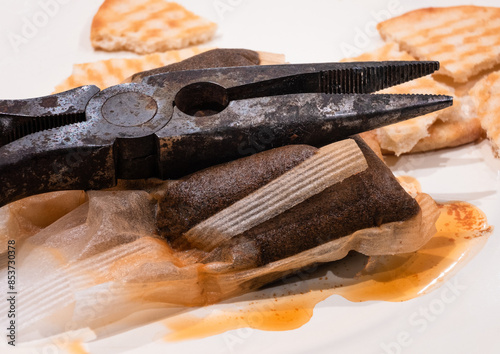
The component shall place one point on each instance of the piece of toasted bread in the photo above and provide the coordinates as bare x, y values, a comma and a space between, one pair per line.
425, 132
486, 96
464, 39
147, 26
110, 72
449, 134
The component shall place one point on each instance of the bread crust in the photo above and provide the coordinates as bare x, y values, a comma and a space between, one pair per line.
450, 134
486, 96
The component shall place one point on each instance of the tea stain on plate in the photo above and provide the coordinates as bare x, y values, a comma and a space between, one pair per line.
462, 230
270, 314
74, 348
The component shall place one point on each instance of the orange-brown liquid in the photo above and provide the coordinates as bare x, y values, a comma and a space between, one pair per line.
74, 348
462, 231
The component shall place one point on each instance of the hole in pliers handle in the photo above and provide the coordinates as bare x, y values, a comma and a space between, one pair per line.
202, 99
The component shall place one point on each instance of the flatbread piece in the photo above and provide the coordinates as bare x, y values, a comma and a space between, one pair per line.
106, 73
464, 39
147, 26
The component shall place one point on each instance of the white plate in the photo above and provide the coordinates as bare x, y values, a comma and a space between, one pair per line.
34, 58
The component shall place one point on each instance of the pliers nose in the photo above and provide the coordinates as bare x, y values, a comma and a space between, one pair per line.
243, 127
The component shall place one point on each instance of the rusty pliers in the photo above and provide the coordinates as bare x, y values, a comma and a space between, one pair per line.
171, 124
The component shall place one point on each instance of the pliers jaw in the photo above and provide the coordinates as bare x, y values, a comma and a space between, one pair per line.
19, 118
172, 124
312, 119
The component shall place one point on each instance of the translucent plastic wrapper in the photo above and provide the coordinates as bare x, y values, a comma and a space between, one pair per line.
116, 253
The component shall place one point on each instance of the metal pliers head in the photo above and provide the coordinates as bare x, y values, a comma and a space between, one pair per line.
170, 124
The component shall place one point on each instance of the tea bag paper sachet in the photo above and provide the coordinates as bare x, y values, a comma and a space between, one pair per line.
125, 251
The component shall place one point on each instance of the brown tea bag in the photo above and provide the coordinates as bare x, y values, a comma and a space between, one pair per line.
189, 212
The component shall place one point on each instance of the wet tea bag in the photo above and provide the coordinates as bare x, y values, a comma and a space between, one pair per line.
218, 233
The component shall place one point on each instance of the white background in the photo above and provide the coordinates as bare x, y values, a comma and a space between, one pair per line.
306, 31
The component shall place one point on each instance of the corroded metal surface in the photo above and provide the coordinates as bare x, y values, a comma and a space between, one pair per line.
19, 118
174, 123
